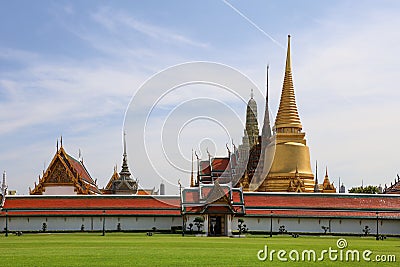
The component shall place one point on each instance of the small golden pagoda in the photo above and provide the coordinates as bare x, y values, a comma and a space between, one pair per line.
290, 168
327, 186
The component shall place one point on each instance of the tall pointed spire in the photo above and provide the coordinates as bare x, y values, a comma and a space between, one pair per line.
288, 116
125, 184
125, 173
266, 130
191, 174
288, 139
4, 185
316, 187
260, 173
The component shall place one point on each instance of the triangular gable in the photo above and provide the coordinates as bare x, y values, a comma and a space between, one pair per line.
218, 201
114, 177
217, 193
59, 174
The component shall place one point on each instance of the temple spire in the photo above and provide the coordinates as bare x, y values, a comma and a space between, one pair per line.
316, 187
251, 130
288, 116
125, 173
191, 174
266, 130
4, 185
124, 143
125, 184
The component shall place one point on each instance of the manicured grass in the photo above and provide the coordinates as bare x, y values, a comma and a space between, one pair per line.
127, 249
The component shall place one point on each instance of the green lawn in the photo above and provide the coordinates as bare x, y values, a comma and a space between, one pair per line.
127, 249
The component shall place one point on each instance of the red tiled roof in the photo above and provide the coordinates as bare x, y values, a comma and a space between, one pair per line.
322, 201
80, 168
393, 189
192, 196
172, 212
205, 191
321, 213
91, 203
236, 197
220, 164
256, 204
205, 168
349, 204
322, 205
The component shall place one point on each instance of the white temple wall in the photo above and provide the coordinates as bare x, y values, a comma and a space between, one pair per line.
95, 223
59, 190
309, 225
314, 225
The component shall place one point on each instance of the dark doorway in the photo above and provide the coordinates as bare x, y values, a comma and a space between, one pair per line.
216, 226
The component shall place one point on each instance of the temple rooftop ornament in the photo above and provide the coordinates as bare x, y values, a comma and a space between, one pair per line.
124, 185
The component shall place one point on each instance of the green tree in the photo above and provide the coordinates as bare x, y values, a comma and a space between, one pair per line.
241, 226
198, 221
370, 189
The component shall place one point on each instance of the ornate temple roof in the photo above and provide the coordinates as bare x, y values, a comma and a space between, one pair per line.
64, 170
108, 188
327, 186
288, 115
212, 198
394, 188
124, 184
219, 164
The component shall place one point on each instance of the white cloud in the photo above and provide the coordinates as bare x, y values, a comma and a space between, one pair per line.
114, 19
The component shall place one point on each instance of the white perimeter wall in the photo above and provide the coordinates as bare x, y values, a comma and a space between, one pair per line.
353, 226
314, 225
89, 223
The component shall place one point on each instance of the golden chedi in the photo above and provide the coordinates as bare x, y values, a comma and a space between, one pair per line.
290, 168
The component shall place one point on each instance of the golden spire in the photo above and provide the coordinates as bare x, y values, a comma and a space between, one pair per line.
288, 116
191, 175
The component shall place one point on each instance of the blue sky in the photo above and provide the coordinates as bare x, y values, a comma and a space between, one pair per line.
71, 68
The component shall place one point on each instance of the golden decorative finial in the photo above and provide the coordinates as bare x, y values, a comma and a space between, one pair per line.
288, 59
191, 174
288, 116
